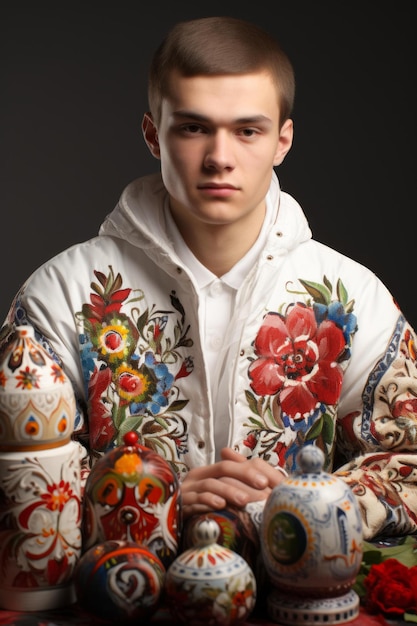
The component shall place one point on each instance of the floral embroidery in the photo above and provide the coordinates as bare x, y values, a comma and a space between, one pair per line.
297, 373
298, 358
131, 365
394, 408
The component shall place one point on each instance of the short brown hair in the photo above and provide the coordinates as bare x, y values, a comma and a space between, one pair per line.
219, 46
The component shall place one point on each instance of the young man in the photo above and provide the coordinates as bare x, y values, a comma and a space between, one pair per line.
205, 317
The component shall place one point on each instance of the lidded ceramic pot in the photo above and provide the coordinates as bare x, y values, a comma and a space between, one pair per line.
311, 543
37, 403
209, 584
236, 532
132, 494
40, 482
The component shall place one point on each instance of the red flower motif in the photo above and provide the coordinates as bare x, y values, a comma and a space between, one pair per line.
55, 498
133, 385
113, 341
110, 304
391, 588
186, 368
405, 408
57, 495
57, 373
250, 442
280, 450
299, 360
28, 379
102, 429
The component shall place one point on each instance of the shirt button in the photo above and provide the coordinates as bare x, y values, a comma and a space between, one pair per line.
216, 343
215, 289
200, 445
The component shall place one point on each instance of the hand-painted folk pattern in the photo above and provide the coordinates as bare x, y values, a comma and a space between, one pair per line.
297, 373
40, 519
132, 368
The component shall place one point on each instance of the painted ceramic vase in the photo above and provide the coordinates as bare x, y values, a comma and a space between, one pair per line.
311, 540
37, 403
119, 582
209, 584
133, 494
40, 527
40, 484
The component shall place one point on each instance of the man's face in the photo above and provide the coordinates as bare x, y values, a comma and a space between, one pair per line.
218, 140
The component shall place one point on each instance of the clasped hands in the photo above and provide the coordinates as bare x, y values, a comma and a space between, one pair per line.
232, 481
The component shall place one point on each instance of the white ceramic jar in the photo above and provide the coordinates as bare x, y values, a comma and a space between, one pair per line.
311, 541
40, 483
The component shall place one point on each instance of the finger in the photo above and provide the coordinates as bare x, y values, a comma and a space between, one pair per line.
194, 509
202, 503
193, 502
257, 466
255, 473
217, 470
228, 454
253, 494
214, 492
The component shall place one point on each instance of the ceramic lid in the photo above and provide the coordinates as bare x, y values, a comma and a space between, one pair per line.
37, 402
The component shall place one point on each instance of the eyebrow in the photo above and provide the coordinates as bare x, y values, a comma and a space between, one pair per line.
253, 119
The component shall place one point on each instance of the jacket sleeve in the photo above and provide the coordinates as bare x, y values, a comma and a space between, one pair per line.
378, 440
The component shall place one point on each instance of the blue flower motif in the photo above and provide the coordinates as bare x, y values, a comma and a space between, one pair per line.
87, 355
336, 313
163, 384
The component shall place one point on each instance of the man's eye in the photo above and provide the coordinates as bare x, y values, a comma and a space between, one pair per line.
248, 132
192, 128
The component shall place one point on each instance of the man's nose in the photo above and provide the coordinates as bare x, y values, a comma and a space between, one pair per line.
219, 153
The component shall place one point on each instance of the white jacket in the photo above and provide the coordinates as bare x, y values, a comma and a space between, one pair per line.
317, 352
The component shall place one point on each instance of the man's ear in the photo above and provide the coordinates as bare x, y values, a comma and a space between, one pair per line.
150, 134
284, 142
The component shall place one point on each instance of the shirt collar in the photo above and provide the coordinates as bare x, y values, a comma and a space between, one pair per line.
234, 277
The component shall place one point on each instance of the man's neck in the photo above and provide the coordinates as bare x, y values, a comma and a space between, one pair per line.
220, 247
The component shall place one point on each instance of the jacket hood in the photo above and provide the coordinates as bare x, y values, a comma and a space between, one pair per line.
138, 217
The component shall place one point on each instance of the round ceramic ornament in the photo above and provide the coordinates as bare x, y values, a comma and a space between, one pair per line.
311, 542
119, 582
37, 402
133, 494
209, 584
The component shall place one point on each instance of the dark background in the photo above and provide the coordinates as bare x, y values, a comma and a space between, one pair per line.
73, 90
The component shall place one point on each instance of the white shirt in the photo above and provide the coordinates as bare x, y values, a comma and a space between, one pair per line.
217, 297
